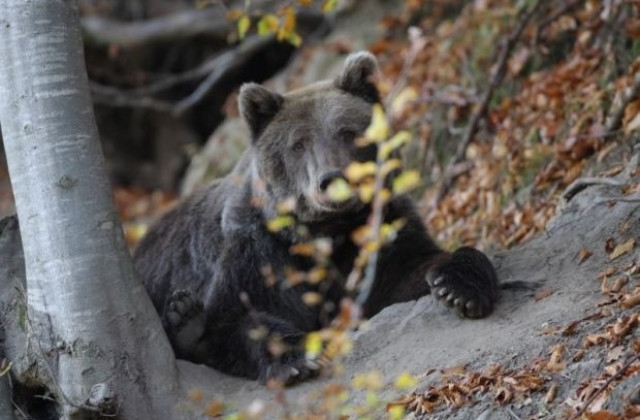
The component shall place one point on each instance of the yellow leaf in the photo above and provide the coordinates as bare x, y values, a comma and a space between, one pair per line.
305, 249
312, 298
316, 275
268, 24
134, 232
396, 412
371, 380
378, 130
286, 206
366, 191
339, 190
372, 399
405, 381
406, 95
279, 223
406, 181
244, 23
358, 170
289, 24
313, 345
360, 235
235, 14
329, 6
391, 165
305, 3
397, 141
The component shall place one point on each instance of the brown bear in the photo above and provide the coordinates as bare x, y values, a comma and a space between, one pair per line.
203, 263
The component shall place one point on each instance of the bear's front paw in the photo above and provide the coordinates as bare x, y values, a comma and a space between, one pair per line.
466, 282
290, 369
184, 321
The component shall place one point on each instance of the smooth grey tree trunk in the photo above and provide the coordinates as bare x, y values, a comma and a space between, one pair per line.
89, 318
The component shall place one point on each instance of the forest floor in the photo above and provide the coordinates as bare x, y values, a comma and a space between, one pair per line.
545, 351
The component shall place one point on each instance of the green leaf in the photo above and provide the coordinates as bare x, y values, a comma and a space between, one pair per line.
268, 24
244, 23
405, 381
294, 39
329, 6
396, 412
397, 141
279, 223
339, 190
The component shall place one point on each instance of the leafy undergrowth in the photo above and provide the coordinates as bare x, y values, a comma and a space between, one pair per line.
546, 122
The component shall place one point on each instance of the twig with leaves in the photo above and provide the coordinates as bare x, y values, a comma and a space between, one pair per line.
417, 42
497, 76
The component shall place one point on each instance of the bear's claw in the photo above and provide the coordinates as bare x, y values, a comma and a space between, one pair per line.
465, 282
184, 320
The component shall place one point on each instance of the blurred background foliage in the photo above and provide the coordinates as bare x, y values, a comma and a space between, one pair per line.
507, 101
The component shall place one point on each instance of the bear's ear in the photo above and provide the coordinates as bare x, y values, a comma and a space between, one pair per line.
258, 106
357, 74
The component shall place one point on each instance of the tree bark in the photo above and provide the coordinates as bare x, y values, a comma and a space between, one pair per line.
99, 342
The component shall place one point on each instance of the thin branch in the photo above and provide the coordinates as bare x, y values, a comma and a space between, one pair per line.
217, 68
582, 183
497, 76
617, 111
227, 63
171, 81
114, 97
600, 390
180, 25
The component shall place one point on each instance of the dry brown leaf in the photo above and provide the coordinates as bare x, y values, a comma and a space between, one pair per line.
630, 300
551, 393
214, 409
543, 293
578, 356
614, 354
610, 245
623, 249
584, 255
195, 395
613, 368
602, 415
503, 396
570, 329
610, 271
457, 370
555, 363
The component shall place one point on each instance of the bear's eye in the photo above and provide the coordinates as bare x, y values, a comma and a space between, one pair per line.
347, 134
298, 146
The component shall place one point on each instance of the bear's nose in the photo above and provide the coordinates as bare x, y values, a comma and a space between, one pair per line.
328, 178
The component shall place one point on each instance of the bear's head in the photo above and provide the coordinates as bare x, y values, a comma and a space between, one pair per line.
304, 140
